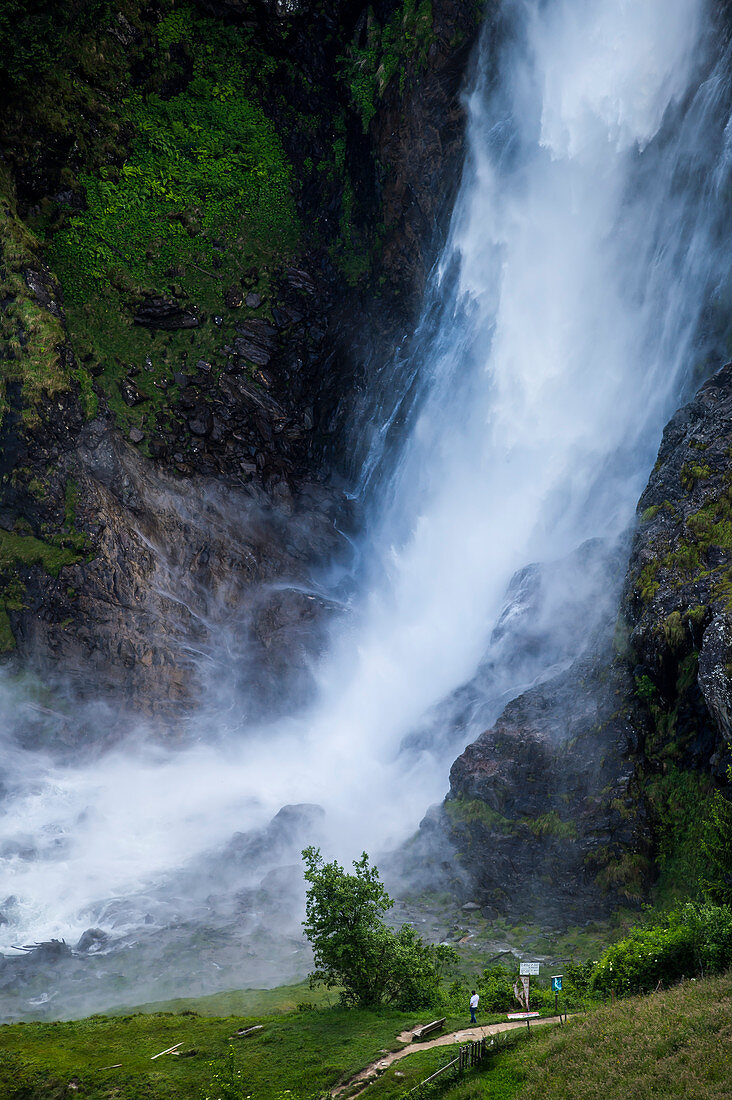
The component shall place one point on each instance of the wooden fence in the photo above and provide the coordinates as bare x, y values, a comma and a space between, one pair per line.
472, 1054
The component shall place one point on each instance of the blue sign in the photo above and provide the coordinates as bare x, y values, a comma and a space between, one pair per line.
557, 983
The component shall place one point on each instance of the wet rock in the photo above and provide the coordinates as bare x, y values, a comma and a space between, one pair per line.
136, 436
300, 280
130, 393
201, 423
253, 300
41, 285
256, 341
290, 829
166, 313
92, 941
675, 607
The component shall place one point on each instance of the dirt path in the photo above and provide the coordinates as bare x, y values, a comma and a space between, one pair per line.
365, 1076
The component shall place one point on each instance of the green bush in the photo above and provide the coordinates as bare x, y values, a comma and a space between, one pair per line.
495, 986
692, 940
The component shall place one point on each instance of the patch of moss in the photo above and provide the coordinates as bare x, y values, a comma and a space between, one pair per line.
472, 811
673, 630
550, 825
199, 193
624, 872
647, 583
25, 550
679, 801
30, 335
691, 472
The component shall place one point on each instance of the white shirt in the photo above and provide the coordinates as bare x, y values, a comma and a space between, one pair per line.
474, 1000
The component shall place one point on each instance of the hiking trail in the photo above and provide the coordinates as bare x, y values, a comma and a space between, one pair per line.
369, 1073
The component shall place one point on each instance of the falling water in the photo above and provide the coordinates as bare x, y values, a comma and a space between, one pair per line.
574, 299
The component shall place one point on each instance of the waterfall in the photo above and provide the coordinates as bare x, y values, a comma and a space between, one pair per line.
574, 301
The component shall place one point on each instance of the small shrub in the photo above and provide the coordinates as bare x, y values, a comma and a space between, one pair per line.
693, 940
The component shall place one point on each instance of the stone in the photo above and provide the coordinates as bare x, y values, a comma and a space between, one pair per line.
136, 436
166, 313
253, 300
92, 941
201, 422
256, 341
130, 393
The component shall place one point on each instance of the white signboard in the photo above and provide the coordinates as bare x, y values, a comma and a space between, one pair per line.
529, 968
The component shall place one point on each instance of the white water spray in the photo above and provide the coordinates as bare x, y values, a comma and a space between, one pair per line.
558, 334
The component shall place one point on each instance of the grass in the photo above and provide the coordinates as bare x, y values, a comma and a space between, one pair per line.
305, 1052
677, 1043
244, 1002
673, 1043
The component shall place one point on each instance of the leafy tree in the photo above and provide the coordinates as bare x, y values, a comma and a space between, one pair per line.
353, 948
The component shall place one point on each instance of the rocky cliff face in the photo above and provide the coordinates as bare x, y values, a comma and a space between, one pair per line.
167, 430
592, 787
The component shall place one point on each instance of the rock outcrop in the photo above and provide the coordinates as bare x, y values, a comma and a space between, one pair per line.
594, 783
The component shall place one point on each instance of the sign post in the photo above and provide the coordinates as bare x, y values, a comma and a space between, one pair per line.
556, 989
526, 970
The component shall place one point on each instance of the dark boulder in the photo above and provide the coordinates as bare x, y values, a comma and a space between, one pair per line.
166, 313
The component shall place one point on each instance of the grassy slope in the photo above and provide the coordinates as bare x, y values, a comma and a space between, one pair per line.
305, 1052
672, 1044
676, 1043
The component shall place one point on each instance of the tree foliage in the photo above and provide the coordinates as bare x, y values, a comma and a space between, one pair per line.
352, 947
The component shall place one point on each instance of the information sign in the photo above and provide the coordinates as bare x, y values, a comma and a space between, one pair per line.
557, 983
528, 968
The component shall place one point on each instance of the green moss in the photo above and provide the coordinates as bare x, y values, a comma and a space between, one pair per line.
691, 472
25, 550
624, 872
464, 811
472, 811
647, 584
645, 688
550, 825
709, 527
673, 630
649, 513
679, 801
204, 166
199, 191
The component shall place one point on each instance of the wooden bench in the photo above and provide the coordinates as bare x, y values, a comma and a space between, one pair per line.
427, 1029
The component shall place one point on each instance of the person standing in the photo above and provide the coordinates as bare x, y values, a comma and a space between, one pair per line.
474, 998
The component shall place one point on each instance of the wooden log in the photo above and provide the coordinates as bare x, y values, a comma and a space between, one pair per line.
244, 1031
170, 1050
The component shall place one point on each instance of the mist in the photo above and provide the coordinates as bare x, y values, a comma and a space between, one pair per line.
566, 319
